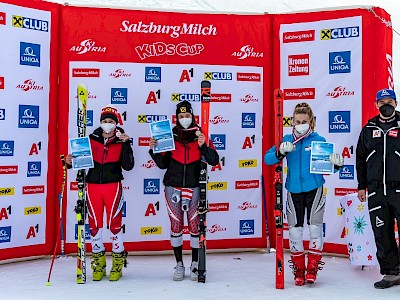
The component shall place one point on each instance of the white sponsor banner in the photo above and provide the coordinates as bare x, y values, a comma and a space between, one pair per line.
321, 65
144, 93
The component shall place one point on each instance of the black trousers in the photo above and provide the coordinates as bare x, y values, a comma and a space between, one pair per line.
383, 211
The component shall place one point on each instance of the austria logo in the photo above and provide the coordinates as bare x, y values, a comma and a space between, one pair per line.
339, 92
28, 85
219, 120
87, 46
249, 98
149, 164
247, 205
216, 228
247, 51
119, 73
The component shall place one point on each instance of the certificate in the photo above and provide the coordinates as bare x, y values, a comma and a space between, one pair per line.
81, 153
162, 132
319, 162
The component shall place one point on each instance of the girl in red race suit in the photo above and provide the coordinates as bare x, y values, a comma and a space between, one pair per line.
181, 182
112, 152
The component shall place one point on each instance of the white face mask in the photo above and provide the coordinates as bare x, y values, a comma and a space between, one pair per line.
185, 122
107, 127
302, 128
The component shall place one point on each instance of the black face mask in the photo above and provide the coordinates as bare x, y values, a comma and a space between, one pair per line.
386, 110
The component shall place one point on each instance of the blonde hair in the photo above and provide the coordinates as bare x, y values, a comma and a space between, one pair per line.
304, 108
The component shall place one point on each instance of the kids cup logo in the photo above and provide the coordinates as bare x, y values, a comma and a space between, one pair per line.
247, 51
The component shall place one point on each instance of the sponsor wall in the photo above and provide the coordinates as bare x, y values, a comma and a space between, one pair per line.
27, 127
326, 63
144, 63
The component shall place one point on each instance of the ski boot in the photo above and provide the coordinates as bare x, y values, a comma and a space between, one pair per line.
298, 265
118, 261
98, 265
314, 264
193, 271
179, 272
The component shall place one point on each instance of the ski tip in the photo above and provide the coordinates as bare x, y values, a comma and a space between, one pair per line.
48, 283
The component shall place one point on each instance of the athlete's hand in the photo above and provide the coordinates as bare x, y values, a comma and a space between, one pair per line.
362, 196
336, 159
201, 139
286, 147
68, 159
153, 142
123, 137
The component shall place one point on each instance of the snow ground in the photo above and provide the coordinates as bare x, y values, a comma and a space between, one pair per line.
246, 275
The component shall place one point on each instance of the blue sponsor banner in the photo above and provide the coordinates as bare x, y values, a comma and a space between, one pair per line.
34, 169
347, 172
219, 141
6, 148
5, 234
119, 95
345, 32
2, 114
29, 54
28, 116
248, 120
151, 186
87, 232
246, 227
339, 121
340, 62
152, 74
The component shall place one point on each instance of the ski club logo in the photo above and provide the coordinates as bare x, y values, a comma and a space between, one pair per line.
28, 116
339, 62
220, 206
299, 65
149, 164
218, 119
151, 118
217, 76
248, 120
339, 91
87, 46
339, 121
340, 33
2, 114
216, 228
247, 51
5, 234
219, 141
30, 23
249, 98
2, 83
119, 95
29, 54
8, 170
8, 191
299, 94
299, 36
152, 74
347, 172
157, 49
185, 97
120, 73
29, 85
247, 205
248, 77
89, 118
2, 18
246, 227
247, 184
151, 186
6, 148
87, 232
34, 169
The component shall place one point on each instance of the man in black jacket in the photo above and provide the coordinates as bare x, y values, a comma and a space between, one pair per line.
377, 163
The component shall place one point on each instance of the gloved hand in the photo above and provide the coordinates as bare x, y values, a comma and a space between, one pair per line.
286, 147
337, 159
